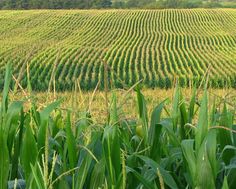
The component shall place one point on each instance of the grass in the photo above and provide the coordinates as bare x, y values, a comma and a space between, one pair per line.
186, 144
95, 102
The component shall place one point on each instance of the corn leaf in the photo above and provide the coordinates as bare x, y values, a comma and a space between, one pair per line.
111, 150
175, 108
17, 147
167, 177
192, 106
83, 171
183, 117
202, 126
4, 160
225, 184
211, 147
188, 152
38, 176
71, 143
114, 114
224, 136
205, 177
146, 183
29, 151
6, 88
44, 116
98, 175
155, 131
12, 121
143, 114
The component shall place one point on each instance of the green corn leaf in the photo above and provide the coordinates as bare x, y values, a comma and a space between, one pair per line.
234, 135
228, 149
155, 152
38, 176
205, 177
192, 106
6, 88
35, 114
63, 185
111, 150
45, 113
114, 114
71, 143
231, 177
213, 118
44, 116
211, 147
17, 147
83, 171
167, 125
146, 183
82, 125
206, 162
175, 108
202, 126
42, 135
224, 136
230, 166
11, 124
188, 152
155, 131
29, 151
4, 160
13, 113
167, 177
143, 114
98, 175
86, 161
183, 117
225, 184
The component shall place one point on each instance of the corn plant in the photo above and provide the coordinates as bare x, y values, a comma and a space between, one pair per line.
155, 46
189, 145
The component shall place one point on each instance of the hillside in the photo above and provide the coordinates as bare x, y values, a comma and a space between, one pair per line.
154, 45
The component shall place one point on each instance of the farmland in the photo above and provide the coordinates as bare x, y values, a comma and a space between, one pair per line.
156, 46
43, 147
116, 99
49, 147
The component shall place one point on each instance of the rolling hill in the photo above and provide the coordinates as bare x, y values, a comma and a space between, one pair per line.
156, 46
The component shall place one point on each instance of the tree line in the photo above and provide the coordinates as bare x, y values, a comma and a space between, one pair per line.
87, 4
54, 4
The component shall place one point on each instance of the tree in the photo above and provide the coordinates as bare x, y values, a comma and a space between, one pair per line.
118, 4
102, 3
173, 3
10, 4
82, 4
132, 3
24, 4
140, 3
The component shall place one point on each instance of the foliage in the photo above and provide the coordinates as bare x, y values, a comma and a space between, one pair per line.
53, 4
87, 4
66, 47
187, 149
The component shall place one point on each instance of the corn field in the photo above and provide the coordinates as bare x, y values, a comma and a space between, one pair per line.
193, 146
156, 46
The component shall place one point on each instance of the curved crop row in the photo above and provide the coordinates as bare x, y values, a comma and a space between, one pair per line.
156, 46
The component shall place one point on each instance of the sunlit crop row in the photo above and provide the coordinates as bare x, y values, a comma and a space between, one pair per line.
156, 46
